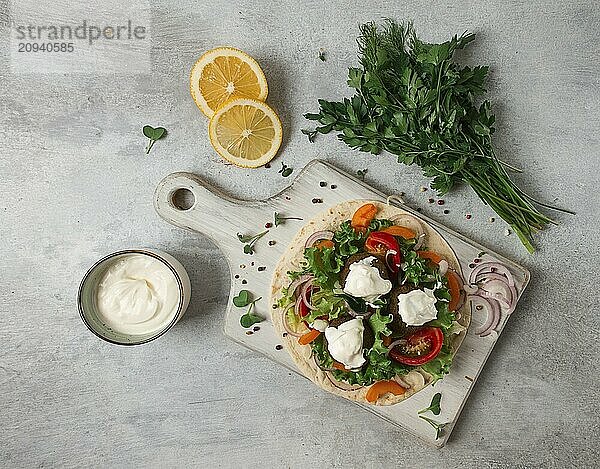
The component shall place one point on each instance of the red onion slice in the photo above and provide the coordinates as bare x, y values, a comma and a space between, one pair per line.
495, 296
297, 306
470, 289
313, 238
401, 382
490, 268
498, 289
420, 242
341, 385
396, 342
443, 267
304, 292
492, 308
296, 283
321, 366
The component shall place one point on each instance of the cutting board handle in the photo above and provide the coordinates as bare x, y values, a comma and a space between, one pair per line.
187, 201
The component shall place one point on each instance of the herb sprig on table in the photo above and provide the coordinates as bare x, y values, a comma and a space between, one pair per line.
243, 299
153, 135
413, 101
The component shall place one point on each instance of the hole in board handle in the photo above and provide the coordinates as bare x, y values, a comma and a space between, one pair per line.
183, 199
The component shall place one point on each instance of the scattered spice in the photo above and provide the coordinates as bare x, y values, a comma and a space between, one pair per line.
468, 216
441, 202
469, 378
446, 212
278, 347
256, 328
252, 264
430, 201
242, 266
267, 165
422, 188
491, 219
285, 170
274, 306
287, 197
477, 260
244, 282
236, 276
323, 184
507, 232
333, 186
262, 268
249, 332
285, 334
317, 201
268, 224
419, 209
471, 266
322, 55
272, 242
481, 254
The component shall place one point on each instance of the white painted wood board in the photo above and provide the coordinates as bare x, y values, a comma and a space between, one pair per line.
220, 217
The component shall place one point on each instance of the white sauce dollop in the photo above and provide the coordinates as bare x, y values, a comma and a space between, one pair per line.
364, 281
417, 307
138, 295
345, 343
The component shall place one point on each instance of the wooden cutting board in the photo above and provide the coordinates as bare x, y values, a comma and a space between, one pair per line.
183, 199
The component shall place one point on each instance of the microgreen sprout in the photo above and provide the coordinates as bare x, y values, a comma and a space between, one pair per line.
153, 135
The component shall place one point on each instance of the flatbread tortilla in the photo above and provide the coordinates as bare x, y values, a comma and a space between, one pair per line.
331, 219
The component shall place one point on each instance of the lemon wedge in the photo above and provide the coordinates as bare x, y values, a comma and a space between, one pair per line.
245, 132
223, 74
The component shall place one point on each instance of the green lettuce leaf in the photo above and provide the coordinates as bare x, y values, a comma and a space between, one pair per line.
324, 265
440, 365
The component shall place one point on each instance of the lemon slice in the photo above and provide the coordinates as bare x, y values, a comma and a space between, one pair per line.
245, 132
223, 74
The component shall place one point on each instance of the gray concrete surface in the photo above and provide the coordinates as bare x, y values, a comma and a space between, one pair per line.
76, 184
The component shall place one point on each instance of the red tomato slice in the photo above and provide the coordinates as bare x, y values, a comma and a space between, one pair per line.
421, 347
379, 242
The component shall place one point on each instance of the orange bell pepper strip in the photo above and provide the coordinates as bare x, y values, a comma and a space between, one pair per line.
324, 243
363, 216
432, 256
309, 337
454, 282
454, 285
339, 366
401, 231
383, 387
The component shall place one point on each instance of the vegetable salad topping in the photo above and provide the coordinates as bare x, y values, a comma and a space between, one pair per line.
370, 306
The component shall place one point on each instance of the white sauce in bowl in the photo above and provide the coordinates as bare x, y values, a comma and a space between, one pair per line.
138, 294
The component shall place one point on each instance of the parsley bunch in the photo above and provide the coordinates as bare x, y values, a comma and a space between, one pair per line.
413, 101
